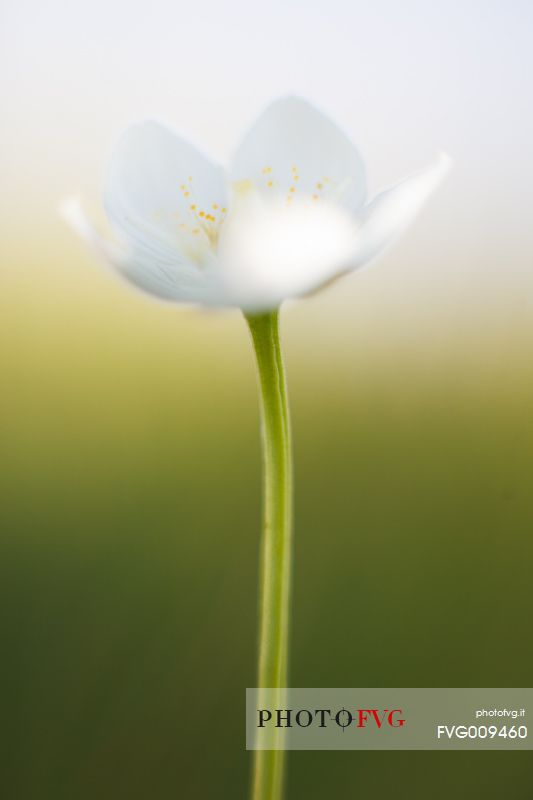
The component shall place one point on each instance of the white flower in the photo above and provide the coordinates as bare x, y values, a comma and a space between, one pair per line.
289, 217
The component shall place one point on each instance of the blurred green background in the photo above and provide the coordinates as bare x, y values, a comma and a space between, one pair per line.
130, 510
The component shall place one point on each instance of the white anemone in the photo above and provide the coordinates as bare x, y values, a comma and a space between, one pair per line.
290, 216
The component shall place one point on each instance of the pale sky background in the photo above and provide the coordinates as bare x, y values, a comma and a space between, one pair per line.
403, 78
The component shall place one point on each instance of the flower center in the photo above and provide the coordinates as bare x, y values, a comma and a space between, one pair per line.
200, 224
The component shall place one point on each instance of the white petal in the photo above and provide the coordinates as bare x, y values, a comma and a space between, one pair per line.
272, 251
161, 192
167, 279
393, 210
293, 149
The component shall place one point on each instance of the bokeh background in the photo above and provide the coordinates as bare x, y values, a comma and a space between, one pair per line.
129, 474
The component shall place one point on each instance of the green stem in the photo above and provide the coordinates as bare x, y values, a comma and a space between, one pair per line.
276, 543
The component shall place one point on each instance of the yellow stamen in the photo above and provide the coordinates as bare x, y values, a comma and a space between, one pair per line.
243, 188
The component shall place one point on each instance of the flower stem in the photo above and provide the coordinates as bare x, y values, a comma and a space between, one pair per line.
276, 543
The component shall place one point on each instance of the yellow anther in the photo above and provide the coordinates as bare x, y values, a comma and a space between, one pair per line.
296, 177
193, 207
183, 187
214, 206
187, 194
319, 186
292, 189
270, 183
196, 231
223, 210
243, 188
201, 213
266, 170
